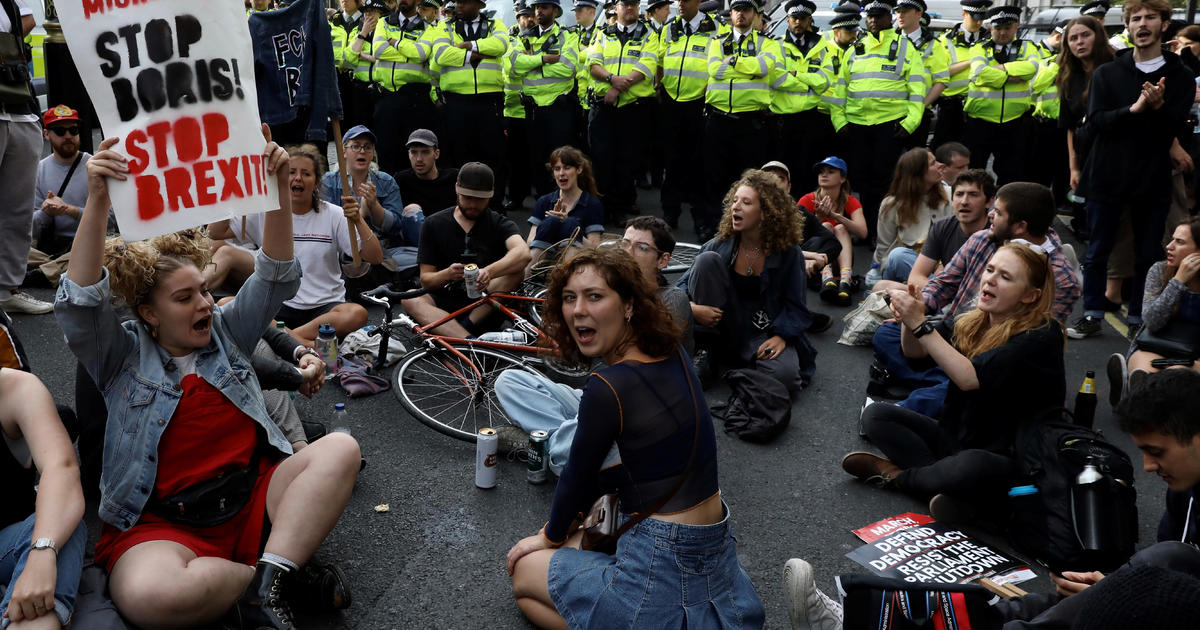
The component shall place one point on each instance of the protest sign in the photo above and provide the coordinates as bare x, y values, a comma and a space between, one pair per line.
879, 529
172, 79
934, 552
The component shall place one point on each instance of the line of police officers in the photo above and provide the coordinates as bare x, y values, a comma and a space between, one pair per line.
723, 95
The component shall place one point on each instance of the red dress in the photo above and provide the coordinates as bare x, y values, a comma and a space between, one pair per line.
207, 435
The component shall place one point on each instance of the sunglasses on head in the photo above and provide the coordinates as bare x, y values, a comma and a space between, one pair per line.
62, 131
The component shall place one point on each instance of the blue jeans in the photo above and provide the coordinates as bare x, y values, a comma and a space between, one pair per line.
928, 399
15, 541
899, 263
1104, 220
405, 256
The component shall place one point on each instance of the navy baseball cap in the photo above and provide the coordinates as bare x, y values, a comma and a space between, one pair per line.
357, 131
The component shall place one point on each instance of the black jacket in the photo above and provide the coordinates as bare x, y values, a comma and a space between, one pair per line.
1129, 160
1180, 512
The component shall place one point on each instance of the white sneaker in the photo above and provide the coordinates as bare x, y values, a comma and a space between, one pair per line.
24, 303
808, 607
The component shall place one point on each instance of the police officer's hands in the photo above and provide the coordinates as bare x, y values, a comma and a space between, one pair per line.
611, 96
329, 13
549, 59
622, 83
900, 132
369, 21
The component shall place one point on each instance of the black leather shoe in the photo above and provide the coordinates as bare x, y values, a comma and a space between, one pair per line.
313, 431
319, 587
262, 606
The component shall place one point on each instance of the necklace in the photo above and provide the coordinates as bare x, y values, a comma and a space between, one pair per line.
748, 253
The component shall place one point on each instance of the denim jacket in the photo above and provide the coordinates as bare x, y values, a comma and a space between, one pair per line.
142, 389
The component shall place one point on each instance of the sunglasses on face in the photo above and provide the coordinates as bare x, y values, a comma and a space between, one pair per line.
63, 131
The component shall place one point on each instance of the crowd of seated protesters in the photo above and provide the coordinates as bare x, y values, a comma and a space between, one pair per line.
915, 200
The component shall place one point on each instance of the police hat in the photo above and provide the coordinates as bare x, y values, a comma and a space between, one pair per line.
800, 8
374, 5
437, 4
846, 15
876, 7
584, 4
520, 8
1004, 14
977, 8
654, 4
911, 4
1097, 9
1060, 26
752, 4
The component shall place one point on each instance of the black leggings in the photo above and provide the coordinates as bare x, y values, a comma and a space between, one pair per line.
932, 461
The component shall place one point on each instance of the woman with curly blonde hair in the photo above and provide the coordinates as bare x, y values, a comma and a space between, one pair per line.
748, 285
205, 508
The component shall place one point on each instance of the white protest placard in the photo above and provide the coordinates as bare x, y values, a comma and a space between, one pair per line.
174, 80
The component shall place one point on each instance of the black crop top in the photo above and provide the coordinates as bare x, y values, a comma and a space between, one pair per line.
647, 409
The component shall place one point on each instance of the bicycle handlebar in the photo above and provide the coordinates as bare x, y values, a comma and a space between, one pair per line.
382, 295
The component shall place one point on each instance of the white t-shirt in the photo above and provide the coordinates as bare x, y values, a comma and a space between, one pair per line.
319, 238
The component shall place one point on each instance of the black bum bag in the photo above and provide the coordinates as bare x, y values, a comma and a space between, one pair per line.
211, 502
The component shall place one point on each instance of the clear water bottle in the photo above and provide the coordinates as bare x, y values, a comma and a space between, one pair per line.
872, 275
515, 337
341, 419
327, 347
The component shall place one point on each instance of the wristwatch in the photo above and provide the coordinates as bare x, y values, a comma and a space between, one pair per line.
925, 328
45, 543
303, 350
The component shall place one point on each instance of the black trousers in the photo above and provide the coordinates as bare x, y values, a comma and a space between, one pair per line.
358, 102
1050, 162
873, 151
920, 137
933, 463
550, 127
520, 169
617, 136
732, 144
950, 120
802, 140
474, 132
681, 136
398, 114
1007, 142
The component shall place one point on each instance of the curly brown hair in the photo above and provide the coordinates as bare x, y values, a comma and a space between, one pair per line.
134, 269
652, 329
782, 225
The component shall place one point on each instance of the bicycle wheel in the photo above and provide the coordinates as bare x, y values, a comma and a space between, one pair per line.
446, 393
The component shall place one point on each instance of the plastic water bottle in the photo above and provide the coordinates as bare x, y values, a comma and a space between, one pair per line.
1085, 401
515, 337
340, 419
872, 275
327, 347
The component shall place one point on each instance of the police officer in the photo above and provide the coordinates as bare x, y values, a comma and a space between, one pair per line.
684, 63
1050, 165
999, 101
430, 11
402, 43
912, 18
804, 131
545, 59
356, 96
622, 63
657, 14
586, 30
469, 49
738, 100
521, 168
958, 42
654, 159
357, 55
878, 102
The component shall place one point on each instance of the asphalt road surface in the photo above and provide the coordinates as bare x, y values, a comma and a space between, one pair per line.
436, 558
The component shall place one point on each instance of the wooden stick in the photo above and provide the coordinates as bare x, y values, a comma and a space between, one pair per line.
341, 158
995, 588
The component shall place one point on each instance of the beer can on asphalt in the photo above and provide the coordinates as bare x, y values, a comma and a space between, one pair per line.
538, 462
485, 458
471, 279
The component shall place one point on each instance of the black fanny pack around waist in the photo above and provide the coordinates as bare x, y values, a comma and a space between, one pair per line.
211, 502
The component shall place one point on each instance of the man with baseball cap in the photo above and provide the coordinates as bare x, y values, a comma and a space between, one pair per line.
999, 98
911, 16
425, 186
804, 74
467, 234
403, 42
958, 42
878, 103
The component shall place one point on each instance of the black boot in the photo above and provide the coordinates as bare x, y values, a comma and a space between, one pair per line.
262, 606
319, 587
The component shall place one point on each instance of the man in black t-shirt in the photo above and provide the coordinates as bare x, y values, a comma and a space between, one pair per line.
424, 185
464, 234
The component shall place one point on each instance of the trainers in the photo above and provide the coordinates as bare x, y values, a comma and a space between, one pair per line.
862, 431
1086, 326
1118, 378
21, 302
1136, 377
946, 509
808, 607
829, 291
820, 323
843, 294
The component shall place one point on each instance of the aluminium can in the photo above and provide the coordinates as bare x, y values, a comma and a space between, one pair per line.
485, 458
471, 280
538, 463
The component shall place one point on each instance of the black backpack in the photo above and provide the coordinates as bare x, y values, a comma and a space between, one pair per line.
1050, 456
759, 408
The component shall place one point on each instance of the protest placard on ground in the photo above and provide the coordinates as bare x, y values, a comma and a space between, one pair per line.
173, 80
879, 529
934, 552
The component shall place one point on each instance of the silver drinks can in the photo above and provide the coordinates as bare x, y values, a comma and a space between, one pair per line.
538, 463
485, 458
471, 279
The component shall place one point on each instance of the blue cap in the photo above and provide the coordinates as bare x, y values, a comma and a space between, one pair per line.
1021, 491
326, 330
835, 162
339, 406
356, 131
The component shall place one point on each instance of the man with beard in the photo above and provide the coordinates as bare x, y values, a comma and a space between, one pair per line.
1137, 111
61, 191
402, 44
468, 233
1023, 211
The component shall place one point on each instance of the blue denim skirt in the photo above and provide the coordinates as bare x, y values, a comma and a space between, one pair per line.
664, 575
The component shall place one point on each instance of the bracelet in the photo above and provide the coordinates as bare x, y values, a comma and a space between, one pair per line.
301, 351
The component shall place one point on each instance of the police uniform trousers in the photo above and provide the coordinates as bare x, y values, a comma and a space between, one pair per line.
398, 114
732, 144
950, 120
802, 140
1008, 143
551, 127
681, 135
358, 102
473, 131
1050, 163
617, 136
520, 167
873, 151
920, 137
